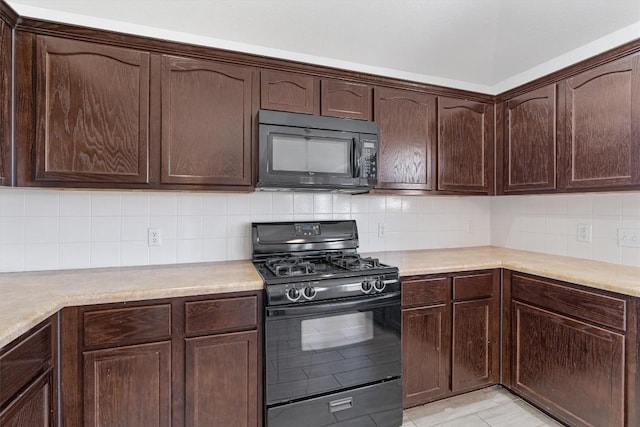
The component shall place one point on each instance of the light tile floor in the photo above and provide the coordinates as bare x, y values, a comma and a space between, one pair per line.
493, 406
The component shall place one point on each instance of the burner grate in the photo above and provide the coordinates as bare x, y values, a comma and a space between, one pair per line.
354, 262
290, 266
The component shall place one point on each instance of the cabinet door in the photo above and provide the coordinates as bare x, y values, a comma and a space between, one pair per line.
221, 380
602, 124
407, 138
465, 145
206, 122
568, 367
426, 351
5, 103
32, 408
92, 113
128, 386
529, 141
345, 99
283, 91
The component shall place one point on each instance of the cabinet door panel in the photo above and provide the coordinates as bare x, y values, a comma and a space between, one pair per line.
283, 91
206, 122
530, 141
465, 145
426, 344
603, 126
472, 365
407, 138
128, 386
569, 368
92, 112
5, 103
221, 383
345, 99
33, 408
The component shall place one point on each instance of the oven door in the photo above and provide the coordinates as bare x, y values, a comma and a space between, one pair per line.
320, 348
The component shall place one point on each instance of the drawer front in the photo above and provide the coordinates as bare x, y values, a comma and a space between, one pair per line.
123, 326
23, 362
425, 291
474, 286
221, 315
601, 309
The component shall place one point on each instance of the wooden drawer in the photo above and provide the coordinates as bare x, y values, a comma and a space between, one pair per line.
473, 286
25, 359
425, 291
601, 309
221, 315
130, 325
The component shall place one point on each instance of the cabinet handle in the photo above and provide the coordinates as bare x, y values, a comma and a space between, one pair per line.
340, 404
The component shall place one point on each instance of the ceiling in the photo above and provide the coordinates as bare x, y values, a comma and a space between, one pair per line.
487, 46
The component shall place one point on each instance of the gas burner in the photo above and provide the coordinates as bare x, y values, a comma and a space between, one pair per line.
290, 266
354, 262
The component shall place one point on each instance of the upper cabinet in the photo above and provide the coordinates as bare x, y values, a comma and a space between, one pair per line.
602, 126
465, 146
407, 122
84, 113
526, 136
5, 102
206, 122
345, 99
284, 91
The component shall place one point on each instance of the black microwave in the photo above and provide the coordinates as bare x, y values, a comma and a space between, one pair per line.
306, 152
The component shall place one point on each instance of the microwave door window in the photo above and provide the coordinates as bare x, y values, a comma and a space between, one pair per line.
314, 155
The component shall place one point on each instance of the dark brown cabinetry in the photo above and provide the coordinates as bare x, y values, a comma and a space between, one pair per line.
83, 113
5, 101
285, 91
465, 146
345, 99
450, 334
568, 348
407, 122
206, 122
28, 396
177, 362
602, 126
526, 141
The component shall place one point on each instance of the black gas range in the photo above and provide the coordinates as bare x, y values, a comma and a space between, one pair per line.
332, 327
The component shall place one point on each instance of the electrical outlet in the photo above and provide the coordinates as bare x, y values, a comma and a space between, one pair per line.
629, 237
154, 237
381, 229
584, 233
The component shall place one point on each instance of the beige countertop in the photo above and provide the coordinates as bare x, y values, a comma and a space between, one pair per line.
28, 298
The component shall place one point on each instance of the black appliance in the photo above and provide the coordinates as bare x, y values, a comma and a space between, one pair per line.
332, 327
306, 152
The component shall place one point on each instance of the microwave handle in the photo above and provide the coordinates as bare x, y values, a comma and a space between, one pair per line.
377, 301
357, 157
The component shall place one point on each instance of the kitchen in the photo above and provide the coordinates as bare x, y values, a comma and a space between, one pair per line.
49, 229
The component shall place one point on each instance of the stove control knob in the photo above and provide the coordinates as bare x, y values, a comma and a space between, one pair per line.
378, 285
293, 294
309, 292
366, 286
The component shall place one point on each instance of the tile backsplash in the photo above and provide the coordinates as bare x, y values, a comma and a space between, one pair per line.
44, 229
51, 229
549, 223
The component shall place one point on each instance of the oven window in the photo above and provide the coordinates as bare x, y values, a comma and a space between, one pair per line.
336, 331
320, 155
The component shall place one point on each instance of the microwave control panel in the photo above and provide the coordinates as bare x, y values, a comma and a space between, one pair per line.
369, 159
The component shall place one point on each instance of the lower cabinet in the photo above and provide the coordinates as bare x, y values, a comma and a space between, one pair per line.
28, 397
179, 362
450, 334
568, 348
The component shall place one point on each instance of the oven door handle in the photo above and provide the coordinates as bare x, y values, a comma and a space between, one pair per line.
330, 307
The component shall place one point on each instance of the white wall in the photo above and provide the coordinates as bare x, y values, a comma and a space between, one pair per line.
548, 223
51, 229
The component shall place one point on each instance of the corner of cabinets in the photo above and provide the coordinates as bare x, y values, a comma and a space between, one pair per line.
6, 102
